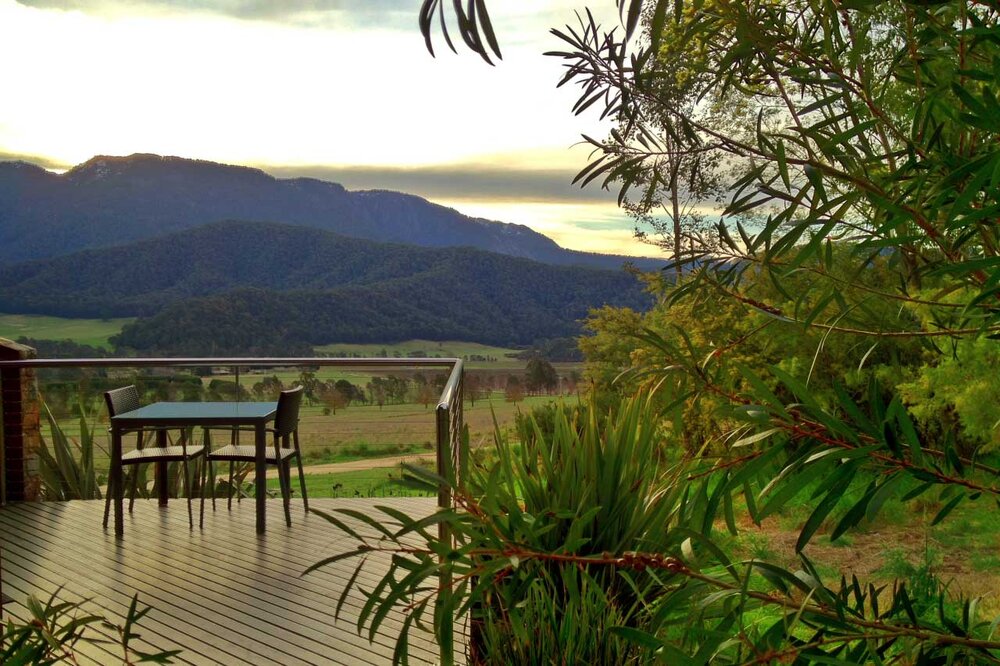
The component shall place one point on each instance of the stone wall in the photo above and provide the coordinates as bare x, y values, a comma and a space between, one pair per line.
21, 432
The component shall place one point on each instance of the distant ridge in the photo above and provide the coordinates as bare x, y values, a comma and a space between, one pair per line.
253, 287
113, 200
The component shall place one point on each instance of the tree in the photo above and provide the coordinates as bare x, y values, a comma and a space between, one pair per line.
871, 136
425, 394
332, 397
349, 390
514, 392
609, 349
397, 388
540, 376
672, 192
377, 391
472, 387
268, 388
310, 384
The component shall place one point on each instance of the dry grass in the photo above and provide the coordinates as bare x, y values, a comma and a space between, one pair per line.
963, 551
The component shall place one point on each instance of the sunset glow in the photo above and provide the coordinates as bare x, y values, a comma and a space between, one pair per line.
305, 92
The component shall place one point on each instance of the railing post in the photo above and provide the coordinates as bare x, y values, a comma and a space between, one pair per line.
450, 466
21, 420
460, 446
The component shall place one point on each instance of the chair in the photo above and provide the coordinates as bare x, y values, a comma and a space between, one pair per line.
126, 399
286, 447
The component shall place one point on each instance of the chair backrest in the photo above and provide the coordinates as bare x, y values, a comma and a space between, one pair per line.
122, 400
287, 418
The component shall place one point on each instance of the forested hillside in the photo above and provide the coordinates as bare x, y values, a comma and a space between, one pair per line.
251, 287
141, 278
264, 322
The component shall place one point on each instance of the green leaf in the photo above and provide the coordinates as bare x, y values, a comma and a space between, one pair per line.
947, 508
756, 437
843, 477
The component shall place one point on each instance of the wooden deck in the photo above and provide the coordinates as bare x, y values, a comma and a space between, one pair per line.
221, 594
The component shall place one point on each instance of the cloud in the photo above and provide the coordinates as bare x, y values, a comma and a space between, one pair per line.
44, 162
516, 24
591, 226
457, 181
387, 14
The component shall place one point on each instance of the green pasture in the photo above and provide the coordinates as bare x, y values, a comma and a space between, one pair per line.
355, 432
378, 482
94, 332
431, 349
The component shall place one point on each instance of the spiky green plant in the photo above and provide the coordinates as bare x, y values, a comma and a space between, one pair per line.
589, 487
54, 629
67, 471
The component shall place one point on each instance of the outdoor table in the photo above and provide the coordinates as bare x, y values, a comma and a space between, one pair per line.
187, 414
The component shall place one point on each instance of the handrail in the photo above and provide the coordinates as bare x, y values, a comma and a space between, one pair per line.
452, 457
242, 361
452, 385
449, 417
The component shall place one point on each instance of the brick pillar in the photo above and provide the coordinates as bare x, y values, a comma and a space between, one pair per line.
21, 434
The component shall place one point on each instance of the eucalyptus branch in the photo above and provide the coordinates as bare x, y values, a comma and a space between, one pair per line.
791, 653
641, 561
806, 428
815, 431
602, 74
780, 315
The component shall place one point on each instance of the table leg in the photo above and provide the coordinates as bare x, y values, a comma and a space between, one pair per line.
115, 484
260, 475
161, 469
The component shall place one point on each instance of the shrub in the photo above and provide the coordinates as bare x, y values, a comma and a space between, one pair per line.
55, 628
67, 471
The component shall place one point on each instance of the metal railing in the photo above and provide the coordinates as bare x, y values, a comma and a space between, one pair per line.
451, 458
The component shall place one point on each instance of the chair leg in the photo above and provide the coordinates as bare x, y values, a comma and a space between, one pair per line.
187, 491
107, 500
302, 476
211, 479
139, 443
286, 490
234, 440
131, 491
203, 476
209, 466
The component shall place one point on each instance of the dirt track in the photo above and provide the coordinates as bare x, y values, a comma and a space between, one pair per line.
358, 465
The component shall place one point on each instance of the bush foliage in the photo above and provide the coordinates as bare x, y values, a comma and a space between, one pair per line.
840, 313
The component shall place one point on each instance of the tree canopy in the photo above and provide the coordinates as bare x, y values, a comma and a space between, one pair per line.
861, 225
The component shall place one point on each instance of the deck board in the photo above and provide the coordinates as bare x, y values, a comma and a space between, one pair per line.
222, 594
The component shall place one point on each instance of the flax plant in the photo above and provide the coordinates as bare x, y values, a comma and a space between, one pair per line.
591, 488
67, 471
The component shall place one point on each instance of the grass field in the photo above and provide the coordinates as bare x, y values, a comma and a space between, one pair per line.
94, 332
961, 553
498, 355
407, 424
380, 482
359, 431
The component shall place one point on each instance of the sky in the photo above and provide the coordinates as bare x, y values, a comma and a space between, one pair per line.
343, 90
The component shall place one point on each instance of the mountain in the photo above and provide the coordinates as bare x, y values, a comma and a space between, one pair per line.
252, 287
113, 200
